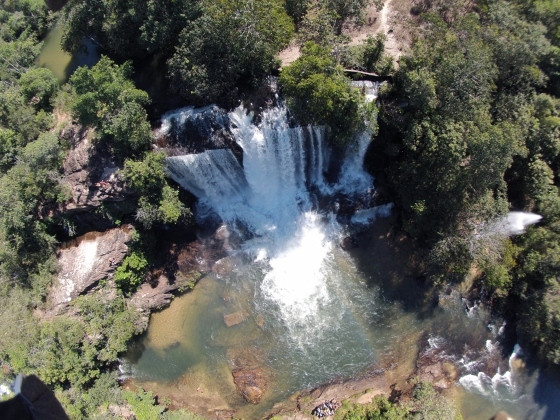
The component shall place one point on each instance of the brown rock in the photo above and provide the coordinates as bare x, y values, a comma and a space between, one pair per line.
90, 176
432, 366
235, 318
250, 374
502, 415
85, 261
348, 243
251, 383
150, 296
260, 321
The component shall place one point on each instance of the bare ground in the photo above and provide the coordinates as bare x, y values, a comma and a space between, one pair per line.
393, 20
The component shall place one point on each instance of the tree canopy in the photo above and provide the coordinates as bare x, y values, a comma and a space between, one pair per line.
231, 46
317, 92
106, 98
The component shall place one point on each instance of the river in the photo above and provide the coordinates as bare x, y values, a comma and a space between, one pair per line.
61, 63
289, 303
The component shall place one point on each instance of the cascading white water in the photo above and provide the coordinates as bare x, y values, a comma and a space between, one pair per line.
270, 196
501, 385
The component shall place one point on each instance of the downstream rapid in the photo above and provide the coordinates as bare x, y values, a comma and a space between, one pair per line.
287, 300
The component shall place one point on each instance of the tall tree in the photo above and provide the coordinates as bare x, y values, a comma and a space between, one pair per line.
232, 44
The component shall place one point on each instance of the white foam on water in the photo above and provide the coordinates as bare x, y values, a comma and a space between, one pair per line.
500, 386
269, 195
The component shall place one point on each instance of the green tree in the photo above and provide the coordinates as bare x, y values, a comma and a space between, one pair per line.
38, 85
297, 9
428, 404
536, 292
157, 201
449, 172
233, 44
26, 192
131, 273
164, 20
317, 92
107, 99
379, 409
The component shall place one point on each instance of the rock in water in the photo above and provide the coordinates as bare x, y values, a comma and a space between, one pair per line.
235, 318
249, 374
250, 383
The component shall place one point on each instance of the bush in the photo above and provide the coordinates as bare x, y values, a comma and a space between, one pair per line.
317, 92
130, 274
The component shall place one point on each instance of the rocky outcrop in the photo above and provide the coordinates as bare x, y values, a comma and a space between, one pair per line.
434, 366
235, 318
361, 390
195, 130
249, 373
90, 177
149, 297
84, 262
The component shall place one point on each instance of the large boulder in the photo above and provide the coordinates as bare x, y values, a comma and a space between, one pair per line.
250, 374
93, 182
89, 176
195, 130
85, 261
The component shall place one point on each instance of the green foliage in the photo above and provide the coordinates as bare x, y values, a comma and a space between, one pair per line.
428, 404
346, 12
20, 18
297, 9
25, 191
128, 29
379, 409
8, 148
373, 58
130, 274
72, 351
69, 352
164, 20
498, 267
94, 403
369, 56
107, 99
317, 92
143, 404
109, 325
448, 175
38, 85
158, 201
18, 330
232, 44
322, 21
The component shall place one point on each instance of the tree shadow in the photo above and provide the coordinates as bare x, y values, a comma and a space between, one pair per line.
395, 264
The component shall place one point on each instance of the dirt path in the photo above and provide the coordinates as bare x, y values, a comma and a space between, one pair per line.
390, 20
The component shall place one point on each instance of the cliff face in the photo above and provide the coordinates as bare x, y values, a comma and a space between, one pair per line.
85, 261
55, 4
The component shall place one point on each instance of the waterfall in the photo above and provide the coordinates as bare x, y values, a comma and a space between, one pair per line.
271, 196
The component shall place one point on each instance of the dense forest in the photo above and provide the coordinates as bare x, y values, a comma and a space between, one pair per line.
466, 128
